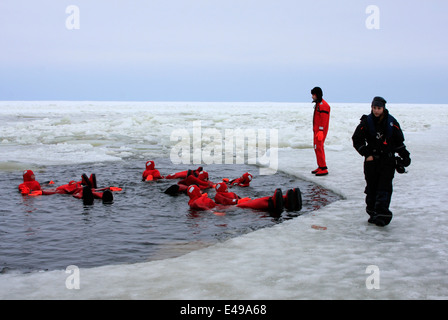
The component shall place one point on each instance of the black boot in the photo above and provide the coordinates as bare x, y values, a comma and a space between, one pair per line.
173, 190
293, 201
87, 196
107, 197
276, 203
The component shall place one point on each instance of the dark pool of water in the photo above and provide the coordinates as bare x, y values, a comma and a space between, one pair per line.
142, 224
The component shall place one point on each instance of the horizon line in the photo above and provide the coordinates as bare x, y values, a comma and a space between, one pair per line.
213, 101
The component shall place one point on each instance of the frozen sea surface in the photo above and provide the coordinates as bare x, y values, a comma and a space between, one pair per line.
324, 255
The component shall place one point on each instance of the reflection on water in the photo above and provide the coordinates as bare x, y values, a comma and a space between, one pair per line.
319, 197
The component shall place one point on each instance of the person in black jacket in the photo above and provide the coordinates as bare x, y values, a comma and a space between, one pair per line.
378, 138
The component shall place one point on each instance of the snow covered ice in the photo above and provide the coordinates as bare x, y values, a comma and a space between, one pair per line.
292, 260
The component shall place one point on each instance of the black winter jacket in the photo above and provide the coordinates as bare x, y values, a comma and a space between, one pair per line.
380, 138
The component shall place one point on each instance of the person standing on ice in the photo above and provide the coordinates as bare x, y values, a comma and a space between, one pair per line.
321, 121
378, 137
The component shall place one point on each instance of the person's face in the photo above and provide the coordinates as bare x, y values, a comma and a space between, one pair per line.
314, 97
377, 111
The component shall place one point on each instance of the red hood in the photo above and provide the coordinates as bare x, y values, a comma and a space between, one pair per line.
247, 177
203, 175
194, 192
28, 175
150, 165
221, 187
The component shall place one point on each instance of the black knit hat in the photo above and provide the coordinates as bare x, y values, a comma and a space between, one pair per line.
317, 91
379, 102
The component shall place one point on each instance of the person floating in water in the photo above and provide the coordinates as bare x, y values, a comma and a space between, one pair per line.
243, 181
151, 173
273, 204
29, 186
292, 201
200, 179
184, 174
199, 200
86, 189
223, 196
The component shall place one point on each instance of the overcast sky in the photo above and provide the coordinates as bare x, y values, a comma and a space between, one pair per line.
224, 50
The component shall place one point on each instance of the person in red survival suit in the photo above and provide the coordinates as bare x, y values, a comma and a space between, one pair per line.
199, 201
184, 174
77, 189
291, 201
273, 204
201, 180
223, 196
243, 181
30, 186
29, 183
87, 190
151, 173
321, 120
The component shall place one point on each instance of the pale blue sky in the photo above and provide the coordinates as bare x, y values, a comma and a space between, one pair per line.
224, 50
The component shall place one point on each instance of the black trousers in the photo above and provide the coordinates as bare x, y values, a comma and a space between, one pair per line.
379, 174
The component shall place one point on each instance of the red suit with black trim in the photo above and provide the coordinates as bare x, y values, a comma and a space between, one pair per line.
321, 120
272, 203
201, 180
183, 174
75, 188
243, 181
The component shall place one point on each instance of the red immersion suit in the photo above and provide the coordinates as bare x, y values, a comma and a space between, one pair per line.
223, 196
272, 204
201, 180
243, 181
183, 174
32, 187
321, 120
29, 183
150, 172
199, 201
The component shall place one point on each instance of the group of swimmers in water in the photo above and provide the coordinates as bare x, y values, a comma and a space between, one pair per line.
85, 189
194, 183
